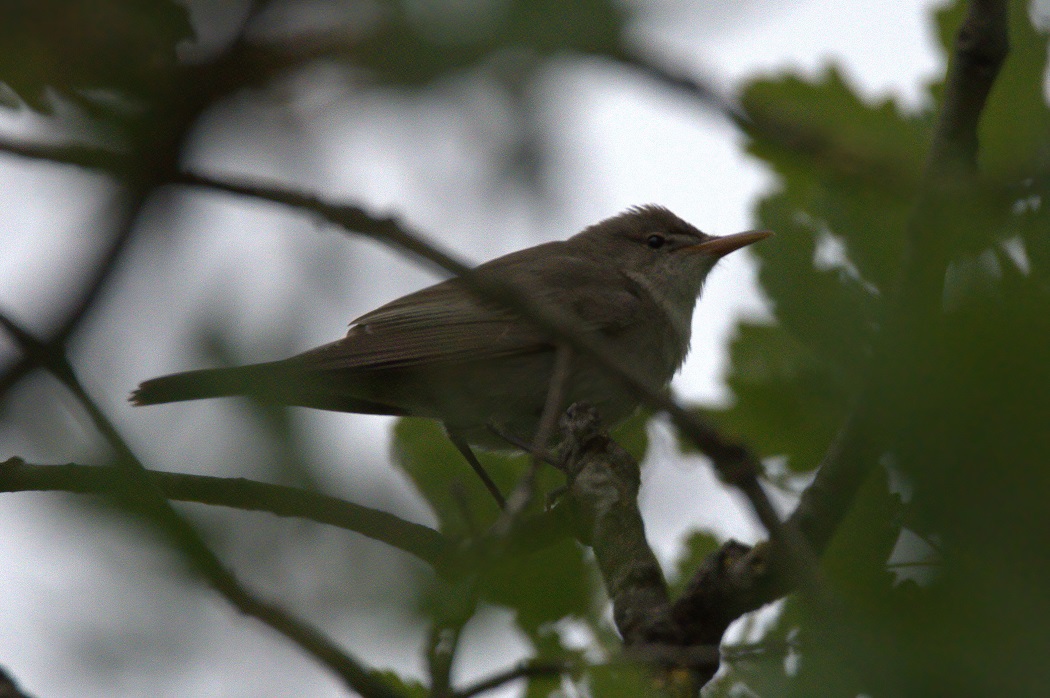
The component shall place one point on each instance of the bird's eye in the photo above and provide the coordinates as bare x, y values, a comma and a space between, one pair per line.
655, 242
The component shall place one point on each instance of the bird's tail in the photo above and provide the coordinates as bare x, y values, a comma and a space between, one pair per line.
206, 383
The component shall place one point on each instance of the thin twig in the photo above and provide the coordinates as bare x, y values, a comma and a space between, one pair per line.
552, 408
423, 542
525, 670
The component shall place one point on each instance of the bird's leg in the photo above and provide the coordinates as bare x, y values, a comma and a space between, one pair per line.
520, 443
464, 448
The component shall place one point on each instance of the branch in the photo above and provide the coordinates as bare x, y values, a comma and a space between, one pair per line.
421, 541
705, 94
8, 687
603, 481
525, 670
981, 47
78, 154
136, 491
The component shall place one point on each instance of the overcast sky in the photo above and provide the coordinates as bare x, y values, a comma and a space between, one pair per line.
617, 141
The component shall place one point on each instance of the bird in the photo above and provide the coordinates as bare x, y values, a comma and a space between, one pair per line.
484, 370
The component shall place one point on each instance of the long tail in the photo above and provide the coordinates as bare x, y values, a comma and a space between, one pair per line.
210, 382
279, 382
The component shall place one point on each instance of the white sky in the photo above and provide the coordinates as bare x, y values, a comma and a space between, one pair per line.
618, 141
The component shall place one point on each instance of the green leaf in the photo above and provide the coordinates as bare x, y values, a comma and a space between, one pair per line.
447, 482
633, 434
848, 168
414, 43
124, 46
698, 545
403, 687
542, 587
786, 400
456, 494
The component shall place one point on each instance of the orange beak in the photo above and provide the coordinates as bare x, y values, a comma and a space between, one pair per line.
721, 246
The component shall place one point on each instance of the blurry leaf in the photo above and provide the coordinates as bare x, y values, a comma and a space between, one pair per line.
417, 41
633, 434
786, 401
543, 687
855, 560
402, 687
123, 46
851, 169
979, 456
446, 480
548, 646
622, 681
542, 587
698, 546
829, 311
423, 451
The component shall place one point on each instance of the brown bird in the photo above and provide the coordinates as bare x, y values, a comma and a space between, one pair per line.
482, 370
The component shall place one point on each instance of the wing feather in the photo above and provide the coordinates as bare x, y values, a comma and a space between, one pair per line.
447, 323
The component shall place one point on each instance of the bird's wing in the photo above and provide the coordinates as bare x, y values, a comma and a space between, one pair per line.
448, 323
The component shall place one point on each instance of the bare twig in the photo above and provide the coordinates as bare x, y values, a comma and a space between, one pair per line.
423, 542
525, 670
706, 94
552, 408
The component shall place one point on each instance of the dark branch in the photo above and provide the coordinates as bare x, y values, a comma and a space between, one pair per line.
603, 481
78, 154
421, 541
8, 687
525, 670
981, 47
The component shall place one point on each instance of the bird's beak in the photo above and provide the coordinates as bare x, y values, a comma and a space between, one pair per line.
721, 246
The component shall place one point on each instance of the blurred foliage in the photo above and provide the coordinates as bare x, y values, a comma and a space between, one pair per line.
697, 547
75, 46
412, 42
964, 464
541, 587
965, 424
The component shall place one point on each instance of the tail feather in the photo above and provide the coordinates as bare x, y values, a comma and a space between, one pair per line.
277, 382
197, 385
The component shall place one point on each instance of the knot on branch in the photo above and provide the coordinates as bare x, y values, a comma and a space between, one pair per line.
590, 459
707, 607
